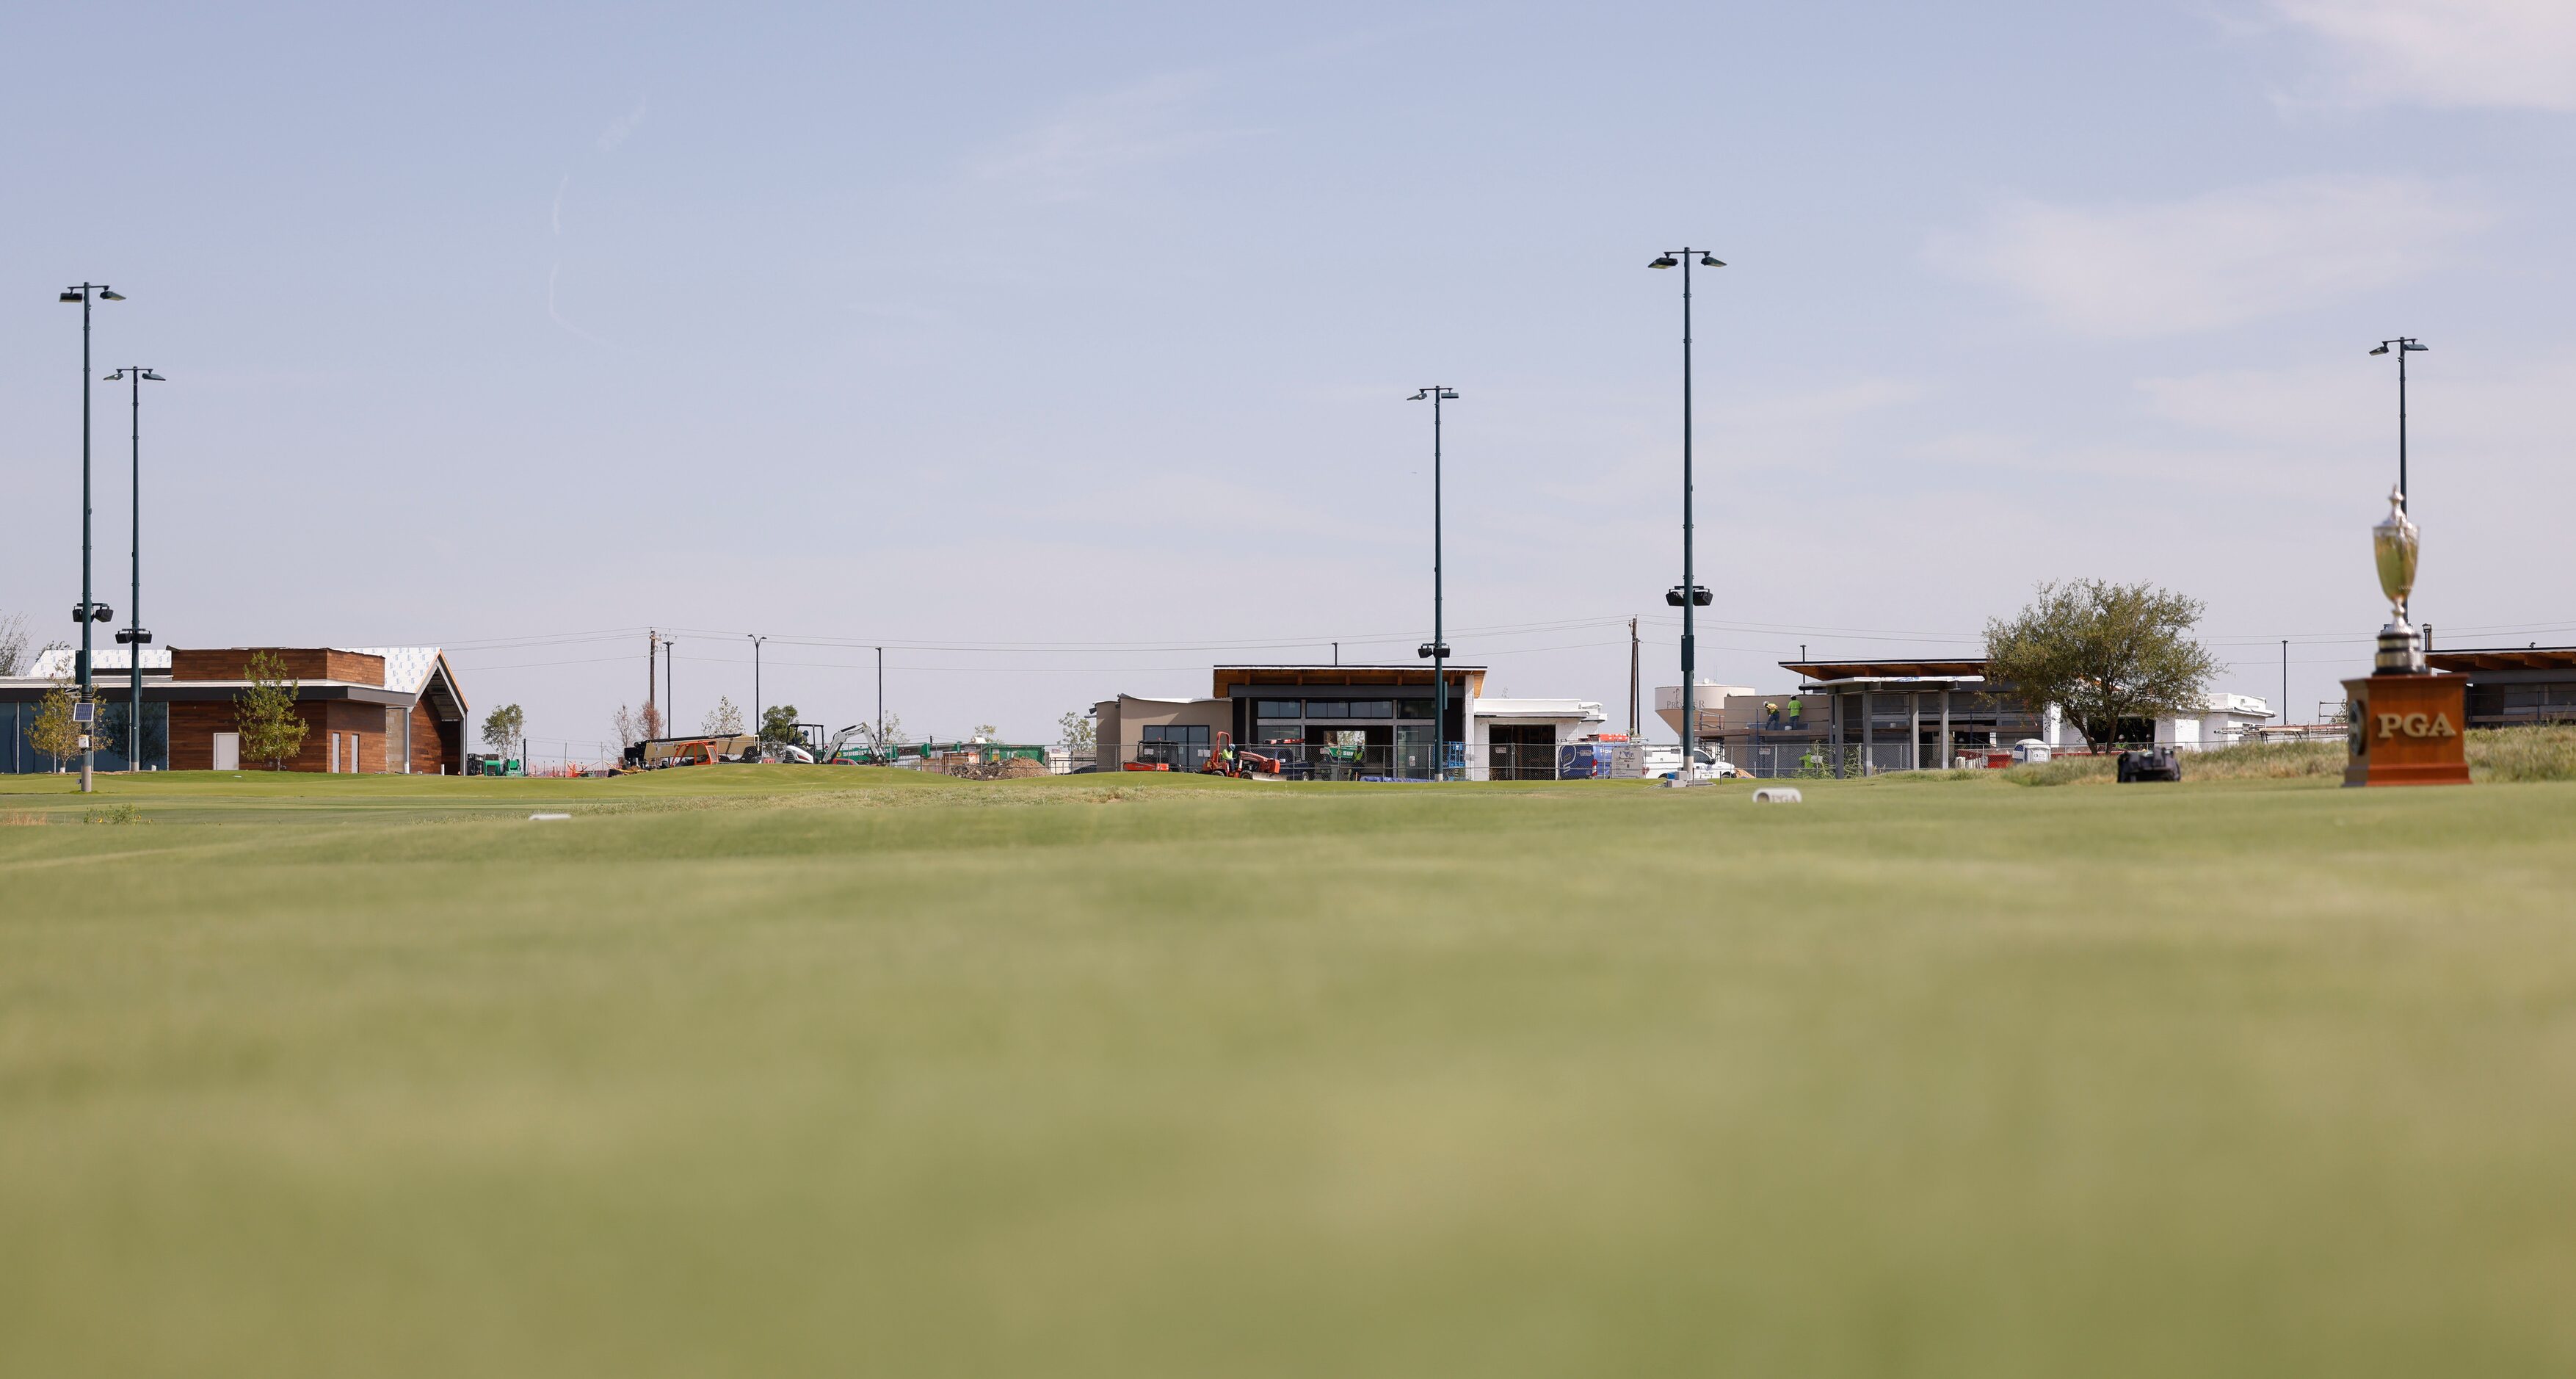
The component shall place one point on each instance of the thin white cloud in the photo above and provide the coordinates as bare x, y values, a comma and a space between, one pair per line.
621, 127
557, 316
1065, 156
2493, 53
2216, 259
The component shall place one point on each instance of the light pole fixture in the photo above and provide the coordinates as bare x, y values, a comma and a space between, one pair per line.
670, 704
1437, 649
134, 636
2403, 346
1689, 595
757, 723
87, 612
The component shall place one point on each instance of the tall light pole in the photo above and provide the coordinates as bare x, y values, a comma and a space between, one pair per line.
882, 758
1438, 647
88, 612
134, 636
670, 704
1688, 595
756, 640
2404, 346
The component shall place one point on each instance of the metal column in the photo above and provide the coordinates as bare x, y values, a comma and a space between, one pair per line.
1868, 735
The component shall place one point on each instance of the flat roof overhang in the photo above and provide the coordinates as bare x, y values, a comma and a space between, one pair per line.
2560, 658
1233, 681
1964, 669
202, 691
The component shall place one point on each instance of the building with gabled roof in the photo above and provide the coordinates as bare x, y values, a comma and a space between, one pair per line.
366, 710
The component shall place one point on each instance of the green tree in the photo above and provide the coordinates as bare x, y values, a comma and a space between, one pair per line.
778, 723
2102, 652
986, 732
501, 728
1078, 734
54, 733
271, 730
13, 644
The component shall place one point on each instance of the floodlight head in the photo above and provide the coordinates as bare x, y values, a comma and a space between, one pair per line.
1418, 396
151, 377
2381, 350
70, 295
116, 377
1664, 261
2414, 346
109, 294
1449, 393
1711, 261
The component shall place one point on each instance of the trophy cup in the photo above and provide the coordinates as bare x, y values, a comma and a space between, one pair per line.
2404, 724
2396, 543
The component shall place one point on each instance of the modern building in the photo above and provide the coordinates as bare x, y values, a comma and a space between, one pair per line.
366, 710
1870, 716
1354, 721
2514, 686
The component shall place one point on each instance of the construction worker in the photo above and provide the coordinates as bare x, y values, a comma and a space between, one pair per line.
1793, 713
1772, 707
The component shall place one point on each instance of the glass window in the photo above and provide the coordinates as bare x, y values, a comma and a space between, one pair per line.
1277, 708
1372, 708
1328, 708
1414, 708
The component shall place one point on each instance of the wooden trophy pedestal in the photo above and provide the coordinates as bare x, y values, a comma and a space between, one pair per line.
2407, 730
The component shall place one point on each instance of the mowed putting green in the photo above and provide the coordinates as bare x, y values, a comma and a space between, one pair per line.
771, 1071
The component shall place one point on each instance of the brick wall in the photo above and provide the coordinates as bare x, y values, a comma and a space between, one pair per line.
193, 727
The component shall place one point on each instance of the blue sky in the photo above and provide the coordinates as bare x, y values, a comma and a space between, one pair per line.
1065, 352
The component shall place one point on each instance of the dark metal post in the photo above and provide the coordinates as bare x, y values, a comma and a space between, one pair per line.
670, 654
134, 637
134, 594
1690, 585
2403, 345
1438, 651
1689, 593
882, 759
757, 722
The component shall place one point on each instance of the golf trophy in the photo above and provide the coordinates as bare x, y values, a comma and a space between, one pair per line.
2397, 544
2405, 720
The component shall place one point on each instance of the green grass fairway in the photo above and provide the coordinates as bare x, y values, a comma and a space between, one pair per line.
782, 1071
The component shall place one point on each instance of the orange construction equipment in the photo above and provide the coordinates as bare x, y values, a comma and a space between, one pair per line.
1226, 761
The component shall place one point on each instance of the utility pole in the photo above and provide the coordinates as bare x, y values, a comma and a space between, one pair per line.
2403, 345
652, 663
2285, 682
670, 655
756, 640
134, 636
882, 759
1438, 649
1689, 596
1636, 719
89, 613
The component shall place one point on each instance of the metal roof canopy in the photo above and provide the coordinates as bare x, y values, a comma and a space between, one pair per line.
2504, 658
1830, 671
1230, 679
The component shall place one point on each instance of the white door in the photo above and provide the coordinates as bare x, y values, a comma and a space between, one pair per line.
334, 767
227, 751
